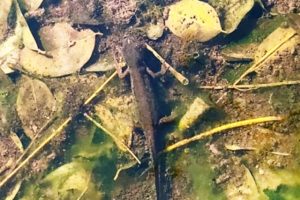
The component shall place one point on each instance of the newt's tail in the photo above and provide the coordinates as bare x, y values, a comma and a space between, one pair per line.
161, 181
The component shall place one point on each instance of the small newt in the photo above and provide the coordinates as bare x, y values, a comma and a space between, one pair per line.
141, 83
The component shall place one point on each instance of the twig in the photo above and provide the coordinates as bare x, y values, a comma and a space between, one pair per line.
127, 166
100, 88
250, 87
46, 141
173, 71
262, 60
24, 162
115, 139
44, 127
222, 128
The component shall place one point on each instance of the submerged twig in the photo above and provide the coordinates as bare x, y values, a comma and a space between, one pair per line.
173, 71
24, 162
263, 59
280, 153
222, 128
17, 167
250, 86
127, 166
44, 127
100, 88
115, 139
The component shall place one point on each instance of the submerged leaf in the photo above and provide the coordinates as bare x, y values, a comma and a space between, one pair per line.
193, 20
234, 12
67, 50
118, 116
22, 28
7, 102
275, 38
5, 7
247, 189
70, 181
35, 105
31, 5
196, 109
10, 48
106, 62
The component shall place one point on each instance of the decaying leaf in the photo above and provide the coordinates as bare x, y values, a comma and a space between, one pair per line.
193, 20
267, 178
247, 189
7, 101
67, 50
280, 40
10, 48
27, 38
106, 62
294, 21
4, 11
234, 12
197, 108
69, 182
277, 37
118, 115
84, 146
35, 105
31, 5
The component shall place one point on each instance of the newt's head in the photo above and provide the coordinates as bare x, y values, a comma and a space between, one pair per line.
133, 51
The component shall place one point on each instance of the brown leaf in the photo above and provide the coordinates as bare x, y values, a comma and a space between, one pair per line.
35, 105
67, 50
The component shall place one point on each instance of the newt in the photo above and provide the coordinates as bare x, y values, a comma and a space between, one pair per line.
142, 87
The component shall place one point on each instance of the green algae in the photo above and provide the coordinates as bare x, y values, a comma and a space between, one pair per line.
194, 164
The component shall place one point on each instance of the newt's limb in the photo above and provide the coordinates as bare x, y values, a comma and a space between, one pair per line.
161, 72
122, 74
120, 64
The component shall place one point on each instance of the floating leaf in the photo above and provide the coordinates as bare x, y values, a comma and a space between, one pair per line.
234, 12
67, 50
193, 20
35, 105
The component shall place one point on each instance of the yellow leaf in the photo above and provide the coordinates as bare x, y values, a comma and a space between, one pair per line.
234, 12
118, 115
277, 37
193, 20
